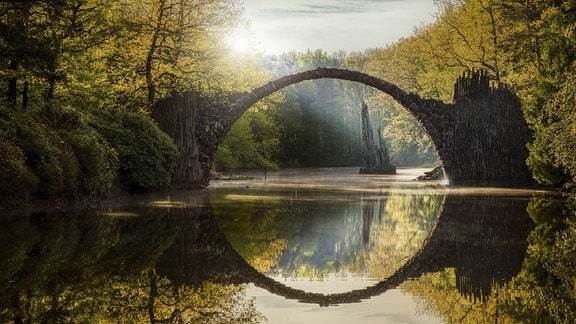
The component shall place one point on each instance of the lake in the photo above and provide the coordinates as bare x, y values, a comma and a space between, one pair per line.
290, 246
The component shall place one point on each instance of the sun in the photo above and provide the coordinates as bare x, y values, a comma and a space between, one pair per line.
241, 42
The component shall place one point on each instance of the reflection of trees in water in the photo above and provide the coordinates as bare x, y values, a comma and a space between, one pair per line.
82, 267
473, 268
399, 231
349, 233
479, 239
542, 290
252, 228
365, 237
207, 302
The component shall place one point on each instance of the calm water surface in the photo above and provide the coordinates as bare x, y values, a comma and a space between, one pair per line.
291, 246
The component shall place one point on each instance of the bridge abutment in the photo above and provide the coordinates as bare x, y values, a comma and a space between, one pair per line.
490, 134
195, 125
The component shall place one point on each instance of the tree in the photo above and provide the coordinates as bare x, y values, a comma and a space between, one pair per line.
252, 142
170, 45
406, 64
44, 40
541, 52
321, 123
561, 129
474, 29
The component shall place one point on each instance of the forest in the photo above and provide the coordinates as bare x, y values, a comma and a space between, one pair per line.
78, 79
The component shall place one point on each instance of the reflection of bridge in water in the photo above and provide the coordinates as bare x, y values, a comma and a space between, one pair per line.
483, 238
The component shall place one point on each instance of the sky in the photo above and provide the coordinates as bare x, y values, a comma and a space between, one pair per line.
332, 25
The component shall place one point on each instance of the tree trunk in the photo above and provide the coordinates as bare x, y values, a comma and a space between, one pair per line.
12, 83
150, 57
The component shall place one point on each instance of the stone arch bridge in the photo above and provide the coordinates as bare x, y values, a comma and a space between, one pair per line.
480, 138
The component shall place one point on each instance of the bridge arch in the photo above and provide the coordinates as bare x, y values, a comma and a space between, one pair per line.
432, 115
481, 138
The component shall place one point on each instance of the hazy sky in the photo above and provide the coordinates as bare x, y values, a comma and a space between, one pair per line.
350, 25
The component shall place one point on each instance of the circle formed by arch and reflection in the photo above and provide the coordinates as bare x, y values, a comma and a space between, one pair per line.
255, 210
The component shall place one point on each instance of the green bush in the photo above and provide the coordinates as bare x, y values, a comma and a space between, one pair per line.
62, 152
17, 181
541, 161
561, 110
147, 156
48, 156
58, 150
96, 158
98, 161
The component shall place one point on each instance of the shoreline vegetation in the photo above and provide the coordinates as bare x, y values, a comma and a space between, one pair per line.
65, 155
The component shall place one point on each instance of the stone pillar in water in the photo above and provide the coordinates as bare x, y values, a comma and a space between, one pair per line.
375, 159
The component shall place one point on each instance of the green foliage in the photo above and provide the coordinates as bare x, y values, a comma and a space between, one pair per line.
551, 265
121, 52
239, 149
166, 45
330, 125
49, 156
60, 151
146, 155
17, 180
540, 49
65, 63
540, 162
238, 221
87, 266
561, 265
562, 128
546, 210
97, 159
409, 143
319, 120
252, 142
